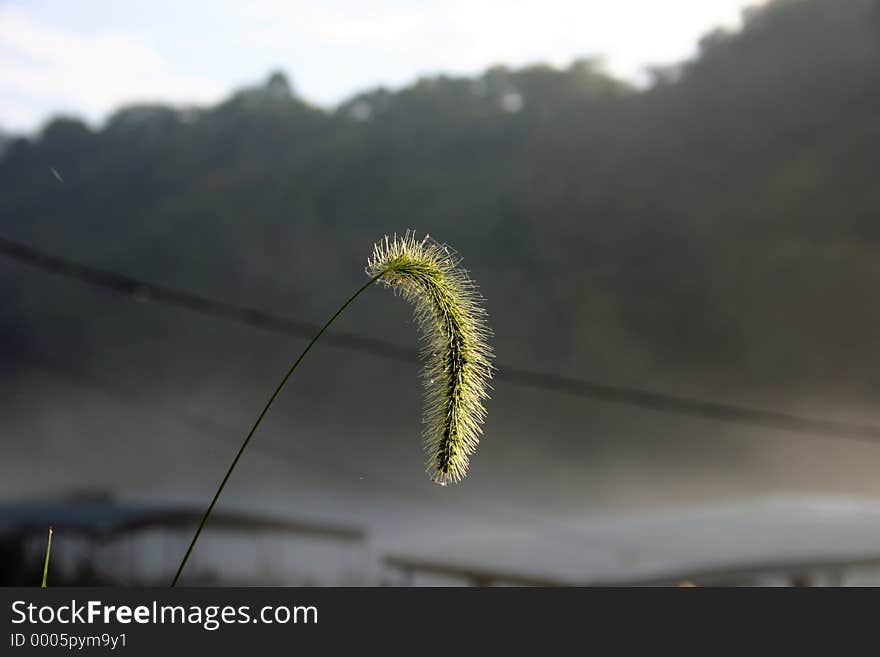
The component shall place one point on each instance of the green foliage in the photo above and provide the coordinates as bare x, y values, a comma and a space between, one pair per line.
616, 230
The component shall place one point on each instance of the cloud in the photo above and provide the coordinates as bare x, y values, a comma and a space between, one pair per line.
394, 41
43, 66
332, 48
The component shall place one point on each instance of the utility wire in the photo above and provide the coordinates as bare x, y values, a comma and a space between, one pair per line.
143, 291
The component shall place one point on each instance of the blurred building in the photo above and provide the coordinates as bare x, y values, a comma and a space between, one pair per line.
101, 541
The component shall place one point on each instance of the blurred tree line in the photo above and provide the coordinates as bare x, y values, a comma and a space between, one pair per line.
721, 224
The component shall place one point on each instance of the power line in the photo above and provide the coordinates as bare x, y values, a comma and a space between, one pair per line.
143, 291
696, 407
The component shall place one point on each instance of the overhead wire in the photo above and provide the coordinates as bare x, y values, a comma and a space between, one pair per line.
144, 291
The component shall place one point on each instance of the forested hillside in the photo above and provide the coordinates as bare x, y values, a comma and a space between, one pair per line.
721, 225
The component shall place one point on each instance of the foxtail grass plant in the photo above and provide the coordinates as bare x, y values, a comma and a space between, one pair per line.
456, 353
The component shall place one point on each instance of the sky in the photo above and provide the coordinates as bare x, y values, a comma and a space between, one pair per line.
88, 57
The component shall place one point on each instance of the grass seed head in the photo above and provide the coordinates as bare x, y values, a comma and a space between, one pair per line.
455, 337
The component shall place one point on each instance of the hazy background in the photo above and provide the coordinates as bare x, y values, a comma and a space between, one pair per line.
666, 196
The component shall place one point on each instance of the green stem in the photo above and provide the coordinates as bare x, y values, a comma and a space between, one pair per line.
46, 563
254, 429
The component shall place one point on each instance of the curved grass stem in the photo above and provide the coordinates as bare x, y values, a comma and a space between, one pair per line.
259, 419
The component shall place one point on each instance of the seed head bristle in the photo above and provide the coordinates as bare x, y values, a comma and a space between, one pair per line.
455, 337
